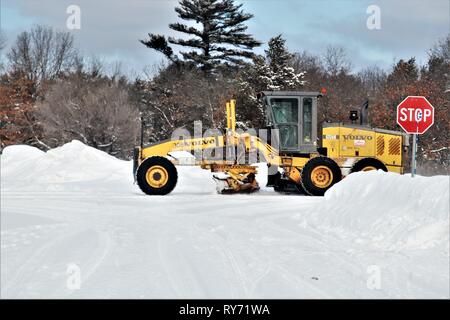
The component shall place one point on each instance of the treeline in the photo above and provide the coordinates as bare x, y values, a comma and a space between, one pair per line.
50, 94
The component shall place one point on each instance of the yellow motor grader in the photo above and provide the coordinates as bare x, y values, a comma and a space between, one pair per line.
288, 144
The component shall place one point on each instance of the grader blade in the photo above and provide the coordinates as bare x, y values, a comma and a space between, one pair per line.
222, 185
230, 183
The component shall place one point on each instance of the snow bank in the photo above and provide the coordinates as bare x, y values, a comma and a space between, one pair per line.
388, 210
382, 210
73, 166
78, 167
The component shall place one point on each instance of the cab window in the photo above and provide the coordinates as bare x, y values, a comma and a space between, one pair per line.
285, 110
307, 120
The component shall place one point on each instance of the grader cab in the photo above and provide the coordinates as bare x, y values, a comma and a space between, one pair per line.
297, 160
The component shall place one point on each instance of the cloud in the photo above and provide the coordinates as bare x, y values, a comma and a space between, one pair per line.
111, 29
407, 29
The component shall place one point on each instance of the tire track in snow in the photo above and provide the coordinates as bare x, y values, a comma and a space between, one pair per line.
32, 266
29, 265
228, 254
183, 276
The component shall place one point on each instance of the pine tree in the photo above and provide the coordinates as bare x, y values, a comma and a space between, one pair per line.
404, 72
278, 58
221, 39
273, 71
270, 72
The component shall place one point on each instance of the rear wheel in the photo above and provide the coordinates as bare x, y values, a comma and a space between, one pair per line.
284, 185
287, 186
319, 174
368, 164
156, 176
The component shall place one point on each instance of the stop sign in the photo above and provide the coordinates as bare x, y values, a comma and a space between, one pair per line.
415, 114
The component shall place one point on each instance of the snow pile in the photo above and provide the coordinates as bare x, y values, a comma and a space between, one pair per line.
388, 210
78, 167
73, 166
75, 204
382, 210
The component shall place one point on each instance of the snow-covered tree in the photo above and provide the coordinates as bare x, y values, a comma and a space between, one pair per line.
220, 38
278, 59
270, 72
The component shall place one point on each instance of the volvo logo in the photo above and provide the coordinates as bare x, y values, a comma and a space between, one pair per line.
356, 137
193, 143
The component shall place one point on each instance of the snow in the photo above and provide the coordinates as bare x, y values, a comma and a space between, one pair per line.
75, 211
391, 211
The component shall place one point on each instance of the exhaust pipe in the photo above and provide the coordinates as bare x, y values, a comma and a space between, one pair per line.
364, 113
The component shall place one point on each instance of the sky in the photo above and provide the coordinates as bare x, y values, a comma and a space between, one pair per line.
110, 29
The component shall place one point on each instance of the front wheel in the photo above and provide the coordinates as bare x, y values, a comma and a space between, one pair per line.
319, 174
156, 176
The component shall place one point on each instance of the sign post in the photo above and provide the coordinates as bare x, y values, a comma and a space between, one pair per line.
415, 115
413, 157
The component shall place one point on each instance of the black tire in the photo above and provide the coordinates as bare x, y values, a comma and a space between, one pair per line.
284, 185
368, 163
170, 171
287, 186
273, 179
307, 180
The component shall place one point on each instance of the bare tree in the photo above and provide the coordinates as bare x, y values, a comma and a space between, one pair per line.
312, 66
335, 60
373, 79
97, 112
2, 47
42, 54
439, 56
442, 49
180, 95
2, 41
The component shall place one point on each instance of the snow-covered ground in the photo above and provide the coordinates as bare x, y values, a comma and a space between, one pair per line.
73, 213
